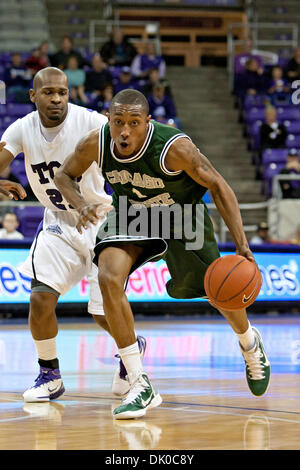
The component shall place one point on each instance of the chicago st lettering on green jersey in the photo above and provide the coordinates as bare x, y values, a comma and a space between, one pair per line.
144, 178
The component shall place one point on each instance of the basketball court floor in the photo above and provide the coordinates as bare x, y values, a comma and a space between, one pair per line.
196, 366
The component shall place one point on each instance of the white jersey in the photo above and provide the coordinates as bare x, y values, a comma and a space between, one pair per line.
60, 256
43, 157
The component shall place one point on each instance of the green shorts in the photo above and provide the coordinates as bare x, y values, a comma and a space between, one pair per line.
187, 267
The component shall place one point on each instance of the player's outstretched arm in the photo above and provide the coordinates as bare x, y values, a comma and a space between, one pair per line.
86, 152
12, 190
184, 155
9, 188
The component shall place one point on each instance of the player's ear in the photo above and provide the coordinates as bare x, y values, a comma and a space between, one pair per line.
148, 118
32, 95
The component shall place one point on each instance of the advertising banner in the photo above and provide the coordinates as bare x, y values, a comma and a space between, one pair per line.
280, 272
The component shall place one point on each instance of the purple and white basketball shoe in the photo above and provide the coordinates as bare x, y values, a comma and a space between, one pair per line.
48, 386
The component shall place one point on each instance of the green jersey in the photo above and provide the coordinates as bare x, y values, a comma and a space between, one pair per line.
144, 178
146, 182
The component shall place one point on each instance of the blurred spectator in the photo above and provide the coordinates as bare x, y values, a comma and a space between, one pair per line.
125, 81
153, 79
143, 63
241, 59
291, 188
272, 133
60, 58
39, 58
103, 102
18, 79
76, 76
296, 240
118, 51
10, 224
252, 81
161, 106
279, 87
77, 96
262, 234
293, 66
97, 77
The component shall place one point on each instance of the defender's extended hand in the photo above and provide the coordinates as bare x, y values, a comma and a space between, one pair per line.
91, 213
12, 190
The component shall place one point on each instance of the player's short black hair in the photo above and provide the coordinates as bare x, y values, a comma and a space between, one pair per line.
130, 96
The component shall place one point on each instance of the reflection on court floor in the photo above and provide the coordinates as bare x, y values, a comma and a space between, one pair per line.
196, 366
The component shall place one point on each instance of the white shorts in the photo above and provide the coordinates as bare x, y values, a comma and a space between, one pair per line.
61, 257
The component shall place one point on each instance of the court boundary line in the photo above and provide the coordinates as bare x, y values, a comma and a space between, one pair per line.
196, 404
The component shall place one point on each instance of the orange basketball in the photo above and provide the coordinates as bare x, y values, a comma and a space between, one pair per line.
232, 282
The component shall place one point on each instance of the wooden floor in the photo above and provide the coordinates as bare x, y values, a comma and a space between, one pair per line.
196, 366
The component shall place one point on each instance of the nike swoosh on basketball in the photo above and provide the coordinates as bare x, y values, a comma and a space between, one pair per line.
245, 299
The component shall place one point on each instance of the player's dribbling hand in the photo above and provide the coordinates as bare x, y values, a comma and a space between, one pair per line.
246, 252
91, 213
12, 190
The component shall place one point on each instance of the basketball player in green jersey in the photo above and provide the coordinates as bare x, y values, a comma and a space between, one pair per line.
155, 165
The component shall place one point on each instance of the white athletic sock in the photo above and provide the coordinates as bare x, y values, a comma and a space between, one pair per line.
131, 358
247, 339
46, 349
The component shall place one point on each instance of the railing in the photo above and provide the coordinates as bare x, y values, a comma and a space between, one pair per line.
276, 187
257, 43
223, 229
150, 28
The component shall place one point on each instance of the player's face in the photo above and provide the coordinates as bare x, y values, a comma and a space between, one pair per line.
128, 128
51, 100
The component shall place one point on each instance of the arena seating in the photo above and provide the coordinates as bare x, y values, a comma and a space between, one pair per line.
252, 115
29, 218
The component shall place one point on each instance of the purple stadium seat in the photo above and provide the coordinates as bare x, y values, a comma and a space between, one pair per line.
283, 61
254, 114
72, 6
18, 169
291, 113
274, 156
4, 57
2, 70
29, 218
279, 10
293, 141
268, 174
241, 59
2, 110
77, 20
79, 35
258, 101
16, 109
254, 134
293, 127
115, 71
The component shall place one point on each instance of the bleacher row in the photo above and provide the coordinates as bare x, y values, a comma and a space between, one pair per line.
271, 160
28, 217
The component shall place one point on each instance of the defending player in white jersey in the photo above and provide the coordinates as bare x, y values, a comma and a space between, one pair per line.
60, 256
